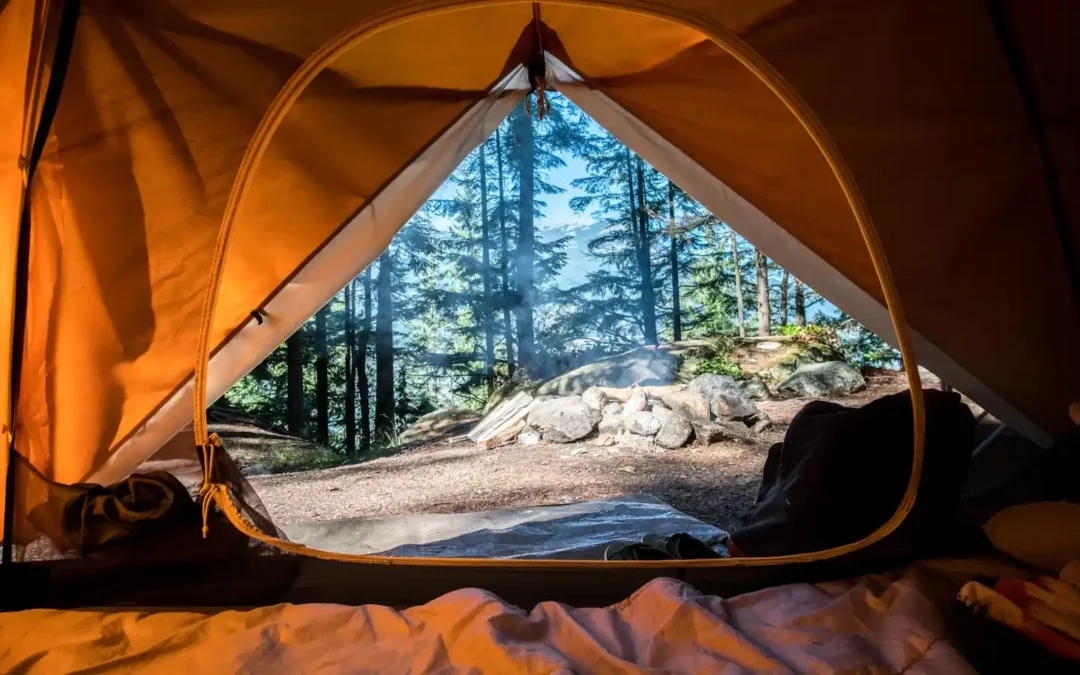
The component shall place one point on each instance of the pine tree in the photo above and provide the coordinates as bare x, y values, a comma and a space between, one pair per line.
488, 304
784, 298
504, 262
322, 379
644, 252
363, 383
523, 144
800, 304
295, 348
350, 370
764, 318
740, 315
385, 411
676, 305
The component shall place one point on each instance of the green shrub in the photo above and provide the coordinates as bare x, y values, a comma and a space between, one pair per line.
720, 365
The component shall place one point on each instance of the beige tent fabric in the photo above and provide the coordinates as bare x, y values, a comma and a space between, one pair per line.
161, 100
934, 129
156, 112
324, 274
22, 33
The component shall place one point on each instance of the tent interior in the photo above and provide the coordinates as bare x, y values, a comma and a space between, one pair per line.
183, 184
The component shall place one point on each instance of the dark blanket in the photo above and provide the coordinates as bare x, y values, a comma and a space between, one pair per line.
841, 473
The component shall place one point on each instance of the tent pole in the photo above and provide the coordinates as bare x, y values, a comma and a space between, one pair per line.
65, 38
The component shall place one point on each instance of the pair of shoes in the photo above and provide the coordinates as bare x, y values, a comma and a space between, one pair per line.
681, 546
628, 550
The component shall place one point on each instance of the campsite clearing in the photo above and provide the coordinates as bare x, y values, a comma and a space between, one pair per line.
716, 483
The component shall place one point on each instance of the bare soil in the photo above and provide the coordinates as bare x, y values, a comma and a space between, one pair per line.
717, 483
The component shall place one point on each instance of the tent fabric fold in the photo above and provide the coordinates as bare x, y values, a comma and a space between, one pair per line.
162, 98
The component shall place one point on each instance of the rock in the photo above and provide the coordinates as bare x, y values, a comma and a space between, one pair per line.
529, 436
255, 470
660, 412
711, 386
675, 432
767, 346
605, 440
563, 420
637, 402
734, 407
754, 388
651, 364
613, 408
594, 398
435, 425
707, 433
821, 380
800, 354
641, 423
690, 403
611, 423
631, 441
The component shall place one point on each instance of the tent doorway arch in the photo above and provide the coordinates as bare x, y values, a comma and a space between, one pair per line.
332, 50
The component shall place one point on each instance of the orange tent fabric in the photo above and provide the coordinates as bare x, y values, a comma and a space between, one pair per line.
162, 98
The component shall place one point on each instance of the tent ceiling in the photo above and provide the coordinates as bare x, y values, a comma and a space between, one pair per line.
162, 97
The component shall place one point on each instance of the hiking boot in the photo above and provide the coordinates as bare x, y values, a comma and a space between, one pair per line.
681, 546
626, 550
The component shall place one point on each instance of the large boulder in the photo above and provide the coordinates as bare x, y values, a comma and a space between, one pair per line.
707, 433
689, 403
645, 365
712, 386
594, 398
563, 419
725, 396
675, 432
642, 423
823, 380
795, 355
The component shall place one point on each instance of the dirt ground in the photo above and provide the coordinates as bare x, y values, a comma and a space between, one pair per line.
716, 483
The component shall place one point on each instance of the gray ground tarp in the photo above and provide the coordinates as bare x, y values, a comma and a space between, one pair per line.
579, 531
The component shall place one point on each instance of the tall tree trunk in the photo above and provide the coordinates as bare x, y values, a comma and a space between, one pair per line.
489, 325
800, 304
764, 312
784, 298
740, 313
508, 324
322, 379
526, 245
648, 295
295, 377
350, 374
384, 349
676, 304
362, 382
